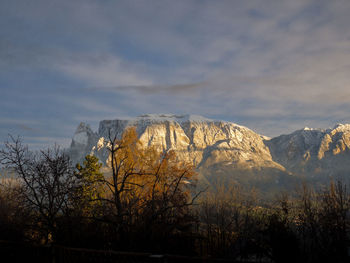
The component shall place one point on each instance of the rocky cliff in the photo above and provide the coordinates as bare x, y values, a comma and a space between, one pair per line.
213, 146
314, 152
225, 150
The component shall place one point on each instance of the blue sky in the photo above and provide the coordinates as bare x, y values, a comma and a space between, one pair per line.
274, 66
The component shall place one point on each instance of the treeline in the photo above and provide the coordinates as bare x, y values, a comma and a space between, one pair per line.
306, 225
149, 203
144, 204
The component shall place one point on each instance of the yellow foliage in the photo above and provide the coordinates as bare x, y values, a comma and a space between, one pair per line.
145, 178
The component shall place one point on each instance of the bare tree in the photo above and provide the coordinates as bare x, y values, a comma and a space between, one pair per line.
127, 169
47, 181
147, 188
334, 220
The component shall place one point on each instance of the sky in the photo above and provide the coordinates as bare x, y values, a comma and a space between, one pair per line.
271, 65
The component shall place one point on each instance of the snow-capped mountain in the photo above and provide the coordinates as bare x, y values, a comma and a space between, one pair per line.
194, 138
213, 146
221, 149
313, 152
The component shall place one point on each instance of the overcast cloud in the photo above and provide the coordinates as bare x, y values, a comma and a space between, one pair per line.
274, 66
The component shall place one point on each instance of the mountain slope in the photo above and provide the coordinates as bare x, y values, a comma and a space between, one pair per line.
216, 148
314, 152
224, 151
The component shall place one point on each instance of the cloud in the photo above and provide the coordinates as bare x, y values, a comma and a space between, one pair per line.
273, 66
105, 70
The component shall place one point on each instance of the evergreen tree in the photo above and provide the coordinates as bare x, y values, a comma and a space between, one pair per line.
91, 179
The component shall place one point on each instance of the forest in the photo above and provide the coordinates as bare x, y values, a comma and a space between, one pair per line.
149, 202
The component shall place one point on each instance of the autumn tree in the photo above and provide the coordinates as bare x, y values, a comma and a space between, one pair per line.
147, 187
168, 196
125, 160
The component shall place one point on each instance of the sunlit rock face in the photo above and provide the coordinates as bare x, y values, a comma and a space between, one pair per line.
206, 143
224, 150
313, 152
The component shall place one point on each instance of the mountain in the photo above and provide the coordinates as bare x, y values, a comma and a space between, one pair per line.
314, 152
219, 149
227, 152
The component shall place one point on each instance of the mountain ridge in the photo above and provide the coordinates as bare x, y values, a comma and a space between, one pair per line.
222, 149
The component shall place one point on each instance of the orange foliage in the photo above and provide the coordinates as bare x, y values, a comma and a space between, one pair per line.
145, 180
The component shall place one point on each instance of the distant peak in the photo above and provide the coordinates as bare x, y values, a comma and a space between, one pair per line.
83, 127
307, 131
341, 127
338, 125
313, 130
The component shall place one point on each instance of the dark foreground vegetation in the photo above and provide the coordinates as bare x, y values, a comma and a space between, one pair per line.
149, 205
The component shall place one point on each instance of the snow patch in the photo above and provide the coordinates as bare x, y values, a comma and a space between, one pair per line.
173, 117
